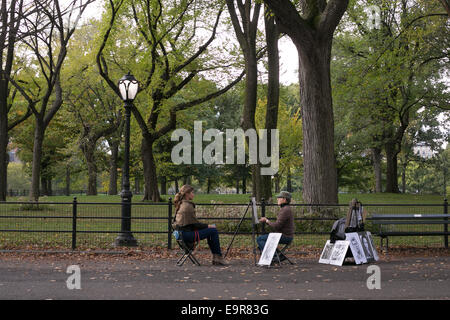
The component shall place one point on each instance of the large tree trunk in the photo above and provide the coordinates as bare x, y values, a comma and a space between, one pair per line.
273, 93
3, 144
404, 166
92, 173
67, 188
151, 191
376, 158
163, 185
246, 36
391, 169
312, 33
320, 175
37, 157
88, 149
248, 119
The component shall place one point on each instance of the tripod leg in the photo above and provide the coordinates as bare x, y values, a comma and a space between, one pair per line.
237, 229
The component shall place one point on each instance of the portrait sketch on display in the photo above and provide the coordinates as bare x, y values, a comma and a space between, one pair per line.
269, 249
356, 247
372, 245
326, 253
334, 253
339, 252
367, 246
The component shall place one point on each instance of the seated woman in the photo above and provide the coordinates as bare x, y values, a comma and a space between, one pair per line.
192, 229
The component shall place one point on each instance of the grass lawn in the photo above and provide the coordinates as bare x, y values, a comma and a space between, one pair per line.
344, 198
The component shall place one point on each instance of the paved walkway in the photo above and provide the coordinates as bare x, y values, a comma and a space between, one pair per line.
155, 276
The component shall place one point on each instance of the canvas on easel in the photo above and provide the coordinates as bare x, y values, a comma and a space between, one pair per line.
254, 211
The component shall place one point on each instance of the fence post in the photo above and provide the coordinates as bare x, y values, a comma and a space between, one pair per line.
446, 225
74, 223
169, 225
263, 214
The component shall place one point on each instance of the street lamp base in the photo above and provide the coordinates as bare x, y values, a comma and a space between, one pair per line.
125, 240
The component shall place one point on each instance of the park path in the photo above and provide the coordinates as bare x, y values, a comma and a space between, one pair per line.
156, 277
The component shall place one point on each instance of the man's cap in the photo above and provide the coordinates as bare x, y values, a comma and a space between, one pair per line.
284, 194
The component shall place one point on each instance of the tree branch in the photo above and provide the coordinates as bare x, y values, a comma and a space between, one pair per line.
289, 20
185, 105
331, 16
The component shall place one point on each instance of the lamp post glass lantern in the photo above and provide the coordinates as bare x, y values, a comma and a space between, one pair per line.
128, 87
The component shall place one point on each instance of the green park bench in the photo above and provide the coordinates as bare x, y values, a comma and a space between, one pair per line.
386, 222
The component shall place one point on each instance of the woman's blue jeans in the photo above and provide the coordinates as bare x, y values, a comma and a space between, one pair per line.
211, 234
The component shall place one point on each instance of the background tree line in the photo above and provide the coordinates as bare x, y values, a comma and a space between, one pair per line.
366, 97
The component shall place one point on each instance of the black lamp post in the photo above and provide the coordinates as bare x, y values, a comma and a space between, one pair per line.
128, 86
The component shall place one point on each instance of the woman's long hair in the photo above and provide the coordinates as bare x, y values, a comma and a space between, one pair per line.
179, 197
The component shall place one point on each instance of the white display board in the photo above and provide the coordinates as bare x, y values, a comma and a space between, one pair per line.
369, 248
334, 253
356, 247
360, 243
269, 249
326, 253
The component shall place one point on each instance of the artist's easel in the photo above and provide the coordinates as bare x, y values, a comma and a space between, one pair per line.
254, 229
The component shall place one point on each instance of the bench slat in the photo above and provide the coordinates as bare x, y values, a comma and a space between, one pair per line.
411, 222
408, 216
410, 233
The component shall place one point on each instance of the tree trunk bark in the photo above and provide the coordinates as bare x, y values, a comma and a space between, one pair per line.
246, 36
391, 169
376, 158
37, 157
151, 191
404, 165
312, 33
67, 189
3, 156
88, 152
273, 93
251, 84
163, 185
320, 176
92, 178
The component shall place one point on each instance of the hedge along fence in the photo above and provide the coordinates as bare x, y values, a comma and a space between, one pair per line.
96, 225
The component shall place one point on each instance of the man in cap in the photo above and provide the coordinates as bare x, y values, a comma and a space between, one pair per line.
284, 223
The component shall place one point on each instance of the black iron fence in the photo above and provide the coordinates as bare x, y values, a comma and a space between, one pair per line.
96, 225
